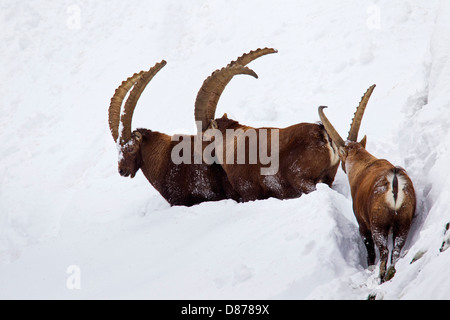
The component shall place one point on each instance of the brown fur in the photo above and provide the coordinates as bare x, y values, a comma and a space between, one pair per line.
304, 161
370, 189
179, 184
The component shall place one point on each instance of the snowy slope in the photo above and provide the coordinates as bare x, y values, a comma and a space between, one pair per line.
63, 204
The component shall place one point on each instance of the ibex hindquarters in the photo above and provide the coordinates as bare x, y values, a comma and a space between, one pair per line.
307, 157
389, 211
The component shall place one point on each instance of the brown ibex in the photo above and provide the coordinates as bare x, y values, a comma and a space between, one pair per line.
305, 152
383, 195
187, 183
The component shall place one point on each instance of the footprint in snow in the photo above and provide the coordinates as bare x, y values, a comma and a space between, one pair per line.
241, 274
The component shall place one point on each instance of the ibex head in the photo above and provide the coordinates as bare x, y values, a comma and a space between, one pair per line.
352, 145
130, 156
128, 142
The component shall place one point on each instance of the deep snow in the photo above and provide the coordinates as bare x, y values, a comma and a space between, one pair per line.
63, 204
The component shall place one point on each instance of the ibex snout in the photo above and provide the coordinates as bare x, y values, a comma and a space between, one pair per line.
124, 172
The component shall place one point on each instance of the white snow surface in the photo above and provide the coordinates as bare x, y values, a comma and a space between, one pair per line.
63, 204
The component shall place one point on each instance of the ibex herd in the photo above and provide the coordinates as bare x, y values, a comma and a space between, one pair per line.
218, 163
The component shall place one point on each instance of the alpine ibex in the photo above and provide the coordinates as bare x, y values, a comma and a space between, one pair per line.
186, 183
305, 153
383, 195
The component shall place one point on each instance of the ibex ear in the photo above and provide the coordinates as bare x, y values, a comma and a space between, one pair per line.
342, 152
363, 142
213, 124
225, 116
137, 136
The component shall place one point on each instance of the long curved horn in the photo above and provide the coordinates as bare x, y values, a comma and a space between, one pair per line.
212, 88
206, 102
132, 100
330, 129
356, 122
116, 103
246, 58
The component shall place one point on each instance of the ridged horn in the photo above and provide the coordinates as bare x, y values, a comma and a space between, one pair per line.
132, 100
116, 103
356, 122
246, 58
211, 90
334, 135
206, 102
